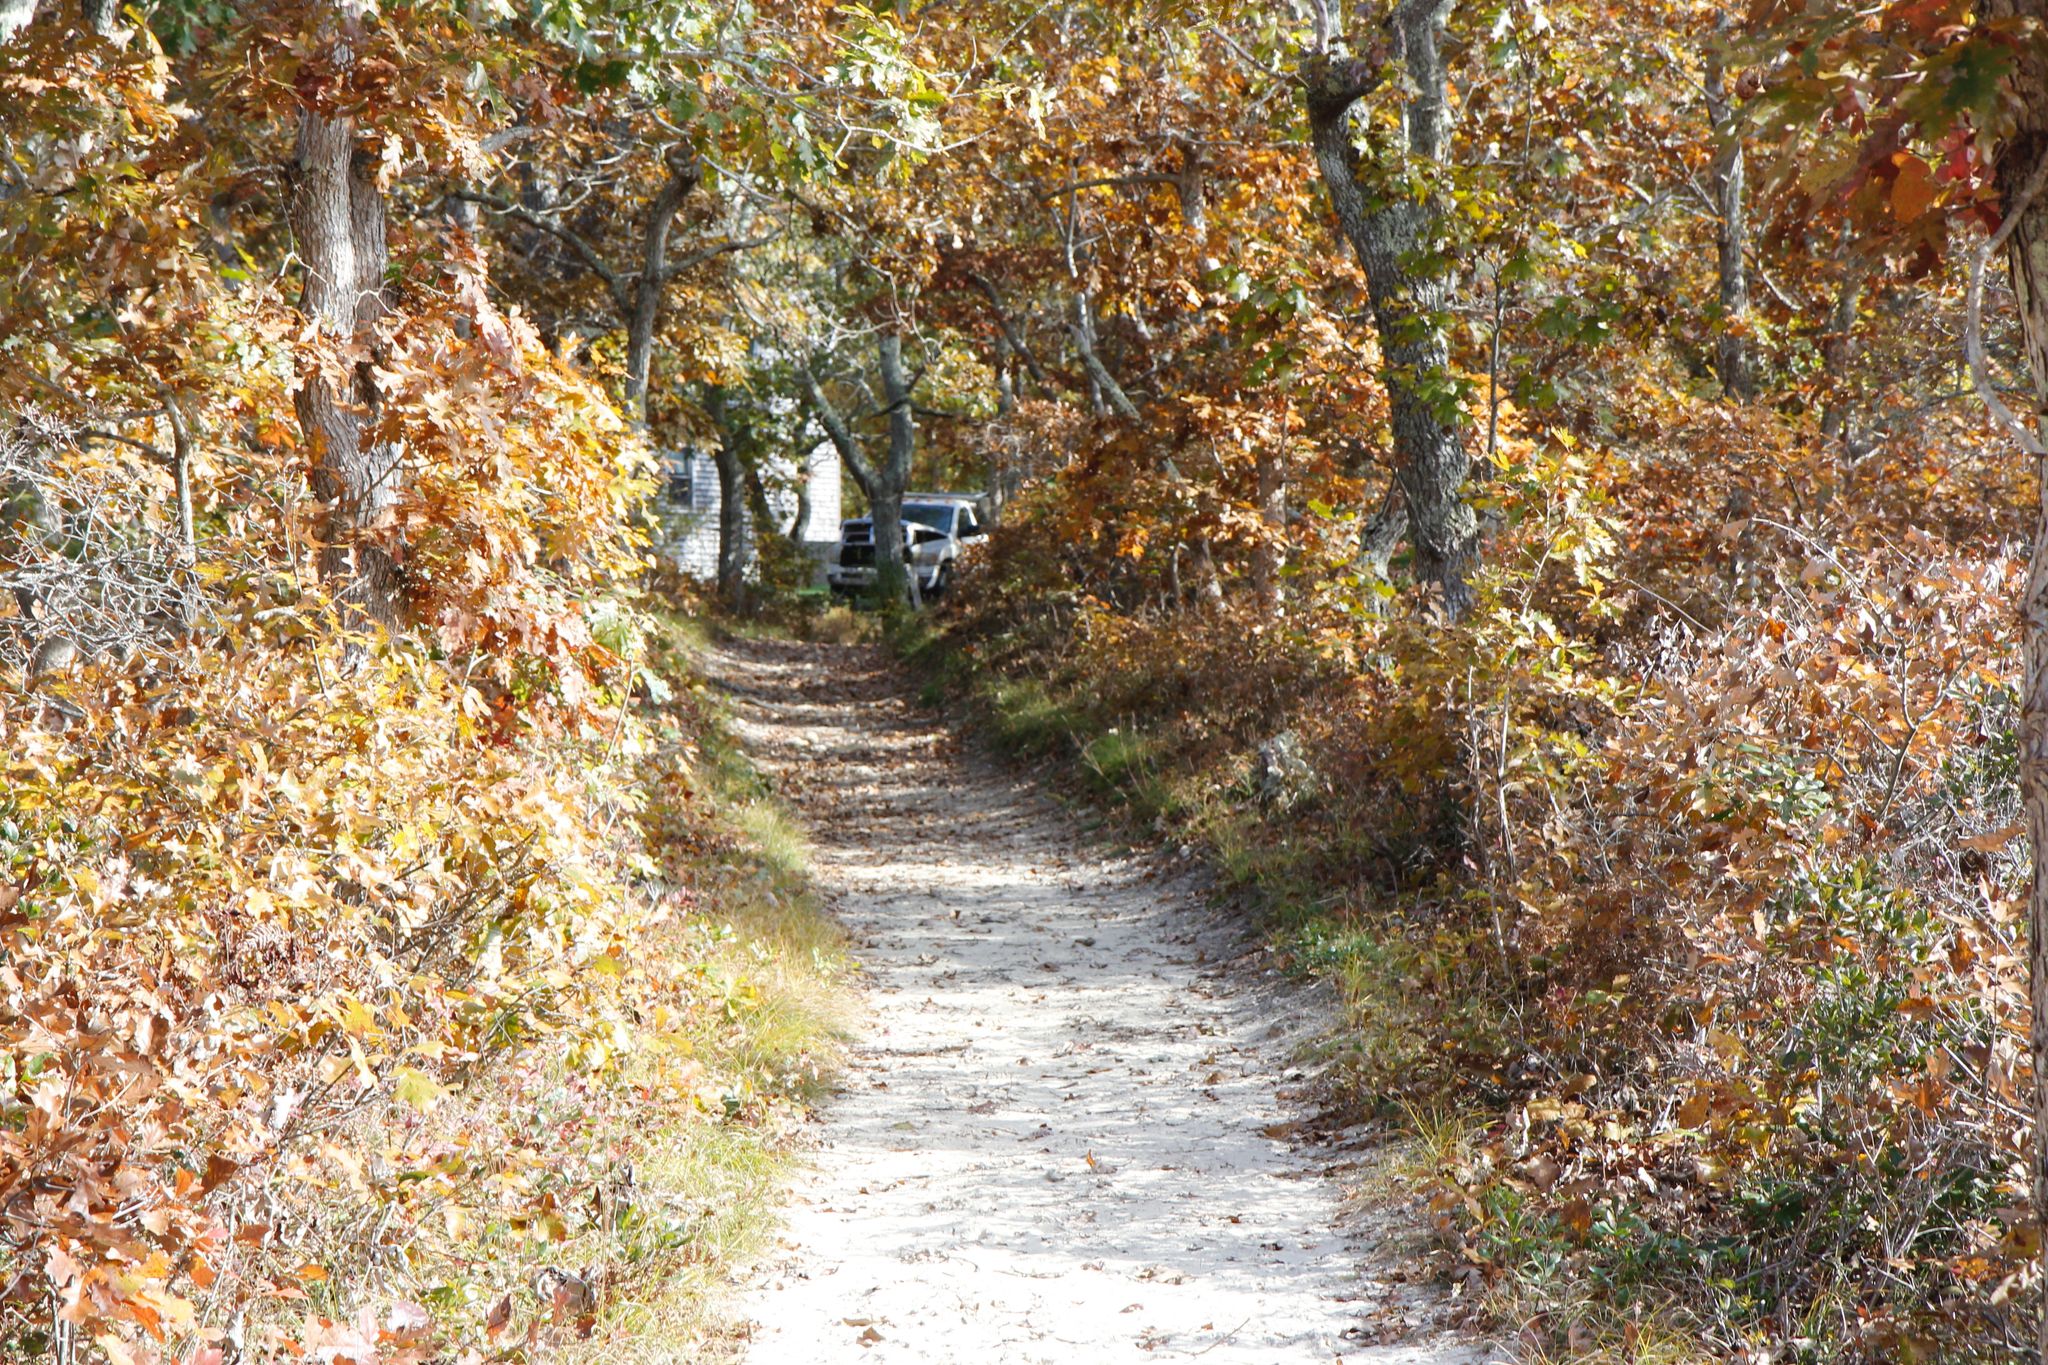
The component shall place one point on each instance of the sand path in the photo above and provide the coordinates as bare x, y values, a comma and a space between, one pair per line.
1062, 1137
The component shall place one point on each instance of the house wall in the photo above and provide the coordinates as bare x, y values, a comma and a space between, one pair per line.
826, 490
689, 507
687, 510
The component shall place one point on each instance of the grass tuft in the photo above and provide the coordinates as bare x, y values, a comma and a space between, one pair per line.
706, 1186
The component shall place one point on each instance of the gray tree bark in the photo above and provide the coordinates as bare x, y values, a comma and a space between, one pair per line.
731, 581
684, 173
1007, 330
1189, 186
732, 528
883, 483
181, 476
886, 502
2029, 265
2028, 261
1394, 235
757, 500
1108, 393
1378, 538
1268, 554
2022, 162
802, 517
1837, 352
336, 213
1732, 360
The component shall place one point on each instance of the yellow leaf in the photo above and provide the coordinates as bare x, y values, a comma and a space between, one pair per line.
356, 1018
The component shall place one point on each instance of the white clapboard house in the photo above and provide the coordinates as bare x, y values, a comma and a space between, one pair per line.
689, 503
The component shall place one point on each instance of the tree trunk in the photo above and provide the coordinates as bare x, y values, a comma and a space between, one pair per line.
1194, 210
1082, 330
652, 283
337, 215
999, 451
1109, 395
731, 582
883, 483
1394, 235
1211, 580
758, 506
2028, 259
181, 480
2020, 162
1731, 348
1377, 540
886, 501
1836, 353
802, 520
1268, 554
732, 529
181, 486
1006, 392
837, 432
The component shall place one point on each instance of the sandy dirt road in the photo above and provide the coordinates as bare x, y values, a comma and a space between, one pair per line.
1061, 1137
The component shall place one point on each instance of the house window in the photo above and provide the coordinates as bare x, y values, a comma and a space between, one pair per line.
679, 482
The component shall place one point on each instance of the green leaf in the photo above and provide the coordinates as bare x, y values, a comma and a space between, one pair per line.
419, 1090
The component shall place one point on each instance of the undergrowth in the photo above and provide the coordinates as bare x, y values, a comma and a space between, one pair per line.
713, 1175
1685, 947
475, 1042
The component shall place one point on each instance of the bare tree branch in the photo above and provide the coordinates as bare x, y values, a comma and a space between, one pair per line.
836, 430
584, 251
1016, 342
697, 258
1973, 322
1140, 178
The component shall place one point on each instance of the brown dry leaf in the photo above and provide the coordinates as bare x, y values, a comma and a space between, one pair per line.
1913, 191
1992, 842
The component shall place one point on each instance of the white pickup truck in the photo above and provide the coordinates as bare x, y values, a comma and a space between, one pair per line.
937, 529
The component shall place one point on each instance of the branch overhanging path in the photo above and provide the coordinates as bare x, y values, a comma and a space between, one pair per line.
1064, 1136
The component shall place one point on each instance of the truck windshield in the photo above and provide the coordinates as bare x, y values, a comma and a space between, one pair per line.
937, 515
